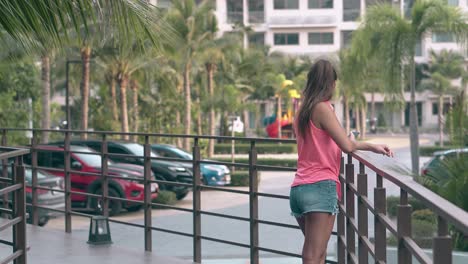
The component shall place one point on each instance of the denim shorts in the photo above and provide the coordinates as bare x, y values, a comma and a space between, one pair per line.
315, 197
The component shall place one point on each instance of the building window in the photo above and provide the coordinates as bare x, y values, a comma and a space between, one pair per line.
316, 4
408, 6
235, 11
418, 48
346, 37
351, 10
442, 37
286, 39
257, 38
320, 38
285, 4
435, 109
256, 11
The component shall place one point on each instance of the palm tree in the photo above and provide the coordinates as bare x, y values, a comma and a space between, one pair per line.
189, 21
444, 67
388, 36
48, 24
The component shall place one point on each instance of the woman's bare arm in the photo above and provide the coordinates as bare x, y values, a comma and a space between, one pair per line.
324, 116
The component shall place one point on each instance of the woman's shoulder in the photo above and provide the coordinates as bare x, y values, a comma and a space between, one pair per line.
323, 107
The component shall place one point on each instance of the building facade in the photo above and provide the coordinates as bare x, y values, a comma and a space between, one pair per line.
321, 28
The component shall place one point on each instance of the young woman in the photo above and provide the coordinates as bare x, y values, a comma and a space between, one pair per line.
320, 139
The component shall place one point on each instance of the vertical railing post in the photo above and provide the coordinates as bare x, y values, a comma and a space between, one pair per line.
442, 246
5, 171
196, 203
380, 234
403, 228
105, 179
350, 235
362, 214
34, 212
68, 219
341, 219
147, 190
253, 201
20, 211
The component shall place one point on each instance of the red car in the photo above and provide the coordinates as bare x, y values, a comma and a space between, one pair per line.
132, 189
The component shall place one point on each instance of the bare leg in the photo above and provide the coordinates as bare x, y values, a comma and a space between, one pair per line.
318, 228
301, 223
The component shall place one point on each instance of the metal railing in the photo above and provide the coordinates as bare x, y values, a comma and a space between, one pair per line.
347, 224
350, 224
13, 204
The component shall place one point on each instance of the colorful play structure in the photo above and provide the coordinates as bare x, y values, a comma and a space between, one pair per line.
282, 126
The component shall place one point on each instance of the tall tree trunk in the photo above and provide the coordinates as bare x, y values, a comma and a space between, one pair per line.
414, 137
85, 57
45, 77
199, 119
135, 112
372, 107
347, 117
363, 121
278, 117
188, 106
358, 120
441, 121
115, 111
209, 71
123, 82
245, 114
178, 118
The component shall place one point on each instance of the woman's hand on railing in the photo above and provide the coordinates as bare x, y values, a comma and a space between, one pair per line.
382, 149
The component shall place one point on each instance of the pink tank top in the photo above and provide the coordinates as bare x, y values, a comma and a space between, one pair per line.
319, 157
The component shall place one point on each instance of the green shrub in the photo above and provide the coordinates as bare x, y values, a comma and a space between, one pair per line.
393, 201
381, 121
292, 163
166, 198
429, 150
424, 215
270, 148
241, 178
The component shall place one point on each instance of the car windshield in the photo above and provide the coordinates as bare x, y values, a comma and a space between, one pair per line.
182, 153
138, 150
92, 159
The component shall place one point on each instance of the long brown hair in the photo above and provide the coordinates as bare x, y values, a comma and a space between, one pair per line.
319, 88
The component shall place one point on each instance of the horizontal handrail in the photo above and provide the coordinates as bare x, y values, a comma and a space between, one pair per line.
452, 213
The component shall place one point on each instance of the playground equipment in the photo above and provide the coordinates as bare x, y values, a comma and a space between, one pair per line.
282, 127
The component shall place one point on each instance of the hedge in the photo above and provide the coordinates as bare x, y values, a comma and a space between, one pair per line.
272, 148
429, 150
166, 198
241, 178
393, 201
292, 163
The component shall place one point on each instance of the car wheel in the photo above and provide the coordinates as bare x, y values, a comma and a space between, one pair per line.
134, 208
114, 206
181, 196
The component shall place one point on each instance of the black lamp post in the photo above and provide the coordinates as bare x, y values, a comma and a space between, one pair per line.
99, 231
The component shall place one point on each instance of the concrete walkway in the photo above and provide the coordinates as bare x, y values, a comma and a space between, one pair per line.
52, 246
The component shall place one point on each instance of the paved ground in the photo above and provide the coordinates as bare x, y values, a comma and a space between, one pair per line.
289, 240
52, 246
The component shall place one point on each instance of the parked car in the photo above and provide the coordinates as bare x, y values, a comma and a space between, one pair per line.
212, 174
163, 170
46, 198
435, 164
53, 157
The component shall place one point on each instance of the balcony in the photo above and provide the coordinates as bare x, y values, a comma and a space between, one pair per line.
362, 224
